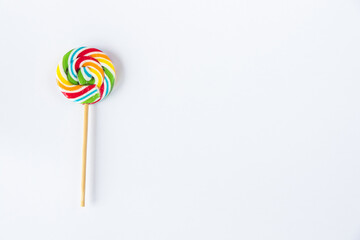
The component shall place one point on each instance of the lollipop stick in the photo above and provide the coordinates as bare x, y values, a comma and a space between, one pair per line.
83, 172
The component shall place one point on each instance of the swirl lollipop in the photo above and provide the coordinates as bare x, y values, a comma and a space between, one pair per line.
85, 75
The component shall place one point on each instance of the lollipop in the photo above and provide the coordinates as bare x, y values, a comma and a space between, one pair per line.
86, 76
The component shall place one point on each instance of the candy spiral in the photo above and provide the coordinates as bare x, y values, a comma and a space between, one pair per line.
85, 75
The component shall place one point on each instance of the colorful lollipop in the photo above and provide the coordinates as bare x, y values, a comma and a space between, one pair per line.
85, 75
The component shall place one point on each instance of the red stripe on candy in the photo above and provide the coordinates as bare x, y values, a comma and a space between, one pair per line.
83, 53
82, 59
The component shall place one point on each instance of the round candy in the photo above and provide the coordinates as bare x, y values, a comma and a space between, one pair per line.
85, 75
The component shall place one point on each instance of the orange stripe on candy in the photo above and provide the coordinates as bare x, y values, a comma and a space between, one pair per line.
71, 88
99, 55
97, 67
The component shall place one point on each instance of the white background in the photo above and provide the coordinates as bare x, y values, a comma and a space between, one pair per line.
233, 119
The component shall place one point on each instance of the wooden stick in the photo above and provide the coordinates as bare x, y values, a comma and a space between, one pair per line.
83, 171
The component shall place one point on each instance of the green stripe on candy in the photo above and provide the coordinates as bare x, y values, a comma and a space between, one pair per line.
82, 79
111, 77
91, 99
66, 67
73, 81
65, 60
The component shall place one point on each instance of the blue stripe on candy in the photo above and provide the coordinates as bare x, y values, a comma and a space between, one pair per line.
107, 85
71, 60
87, 73
87, 95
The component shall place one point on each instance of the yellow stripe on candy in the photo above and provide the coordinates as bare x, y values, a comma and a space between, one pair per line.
99, 75
61, 78
107, 62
